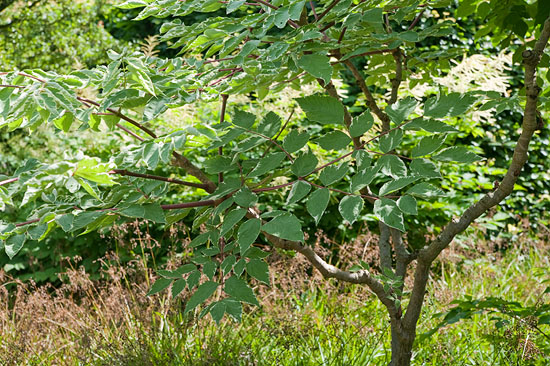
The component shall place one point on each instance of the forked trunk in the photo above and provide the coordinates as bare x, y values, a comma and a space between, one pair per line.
401, 344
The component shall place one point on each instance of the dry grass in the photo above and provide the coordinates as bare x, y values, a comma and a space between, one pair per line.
113, 322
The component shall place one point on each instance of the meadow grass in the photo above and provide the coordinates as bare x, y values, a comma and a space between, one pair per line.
302, 321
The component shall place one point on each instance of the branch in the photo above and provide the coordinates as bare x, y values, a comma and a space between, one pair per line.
329, 8
396, 81
273, 142
331, 90
290, 22
428, 254
330, 271
124, 172
371, 103
176, 206
384, 247
129, 132
8, 181
416, 20
27, 222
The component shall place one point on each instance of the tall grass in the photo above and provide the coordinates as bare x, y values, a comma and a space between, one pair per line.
302, 321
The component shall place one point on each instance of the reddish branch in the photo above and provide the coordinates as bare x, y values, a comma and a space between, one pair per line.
124, 172
8, 181
27, 222
329, 8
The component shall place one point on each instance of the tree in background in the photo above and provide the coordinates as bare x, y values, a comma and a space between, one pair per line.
383, 160
53, 35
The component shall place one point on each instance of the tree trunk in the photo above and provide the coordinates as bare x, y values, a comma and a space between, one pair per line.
401, 344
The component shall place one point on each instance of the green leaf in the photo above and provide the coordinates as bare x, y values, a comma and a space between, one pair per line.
243, 119
36, 232
318, 66
397, 184
177, 287
363, 178
238, 268
258, 269
450, 105
202, 293
270, 125
392, 165
399, 111
239, 290
408, 36
140, 73
295, 140
322, 109
407, 205
296, 10
218, 164
248, 233
131, 4
458, 154
429, 125
361, 124
391, 140
334, 140
388, 212
64, 122
14, 244
424, 168
159, 285
362, 158
92, 170
305, 164
234, 5
332, 173
425, 190
233, 308
227, 264
281, 17
217, 311
193, 279
86, 218
373, 15
427, 145
209, 269
245, 197
317, 203
285, 226
151, 155
350, 208
231, 219
268, 164
151, 212
299, 190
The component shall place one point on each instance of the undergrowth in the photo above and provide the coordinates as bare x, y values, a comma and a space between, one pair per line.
304, 320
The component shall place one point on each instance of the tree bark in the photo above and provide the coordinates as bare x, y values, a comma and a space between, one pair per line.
401, 344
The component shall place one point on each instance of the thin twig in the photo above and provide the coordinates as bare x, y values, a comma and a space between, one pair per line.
156, 177
7, 181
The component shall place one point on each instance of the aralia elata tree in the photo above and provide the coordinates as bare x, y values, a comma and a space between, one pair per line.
261, 47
